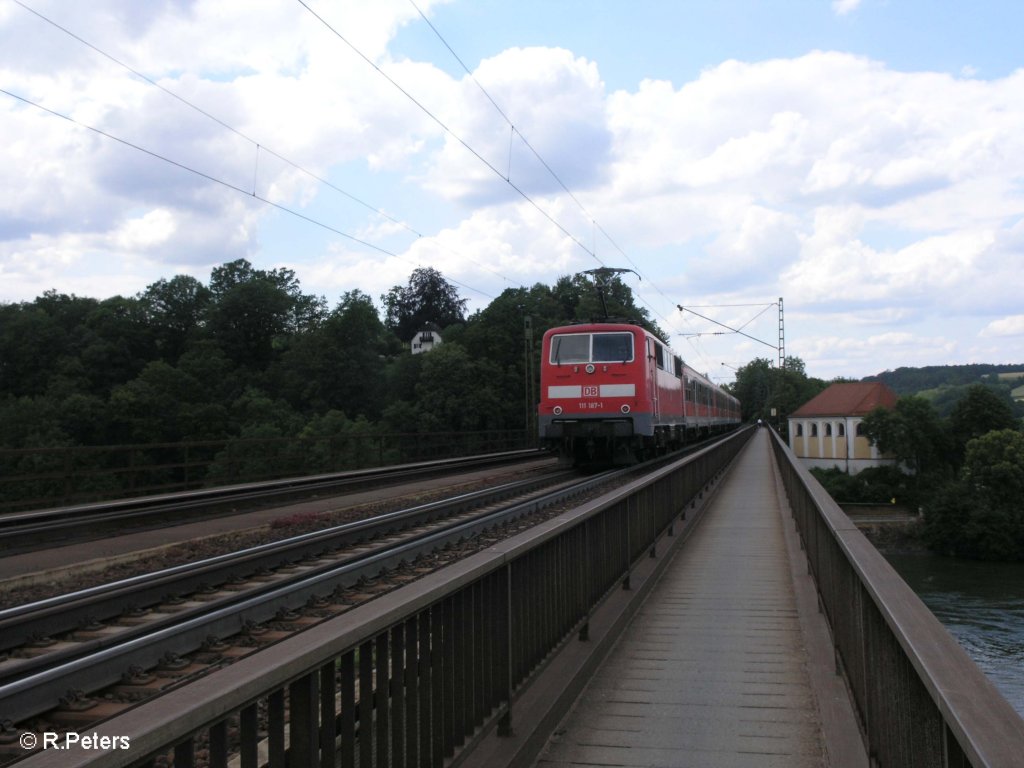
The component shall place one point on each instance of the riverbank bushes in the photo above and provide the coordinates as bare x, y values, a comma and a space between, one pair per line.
980, 514
965, 471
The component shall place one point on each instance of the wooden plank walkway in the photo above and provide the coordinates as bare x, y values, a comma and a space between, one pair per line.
714, 670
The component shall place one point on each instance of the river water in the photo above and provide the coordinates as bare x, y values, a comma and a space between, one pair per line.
982, 606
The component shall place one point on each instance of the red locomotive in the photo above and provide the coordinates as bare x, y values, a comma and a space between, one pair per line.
613, 392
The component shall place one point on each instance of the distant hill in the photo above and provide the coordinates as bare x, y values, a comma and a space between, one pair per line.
909, 381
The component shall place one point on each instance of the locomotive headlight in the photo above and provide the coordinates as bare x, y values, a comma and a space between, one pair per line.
624, 409
590, 368
557, 410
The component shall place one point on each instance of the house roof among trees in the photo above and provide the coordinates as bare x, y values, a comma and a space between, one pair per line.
848, 399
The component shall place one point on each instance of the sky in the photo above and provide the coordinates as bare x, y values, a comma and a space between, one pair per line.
862, 160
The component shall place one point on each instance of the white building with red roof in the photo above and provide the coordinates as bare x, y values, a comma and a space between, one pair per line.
826, 431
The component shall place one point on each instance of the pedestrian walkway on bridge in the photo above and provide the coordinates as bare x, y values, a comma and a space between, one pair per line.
726, 664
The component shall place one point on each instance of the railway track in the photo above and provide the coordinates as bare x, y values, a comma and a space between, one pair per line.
115, 634
39, 529
67, 675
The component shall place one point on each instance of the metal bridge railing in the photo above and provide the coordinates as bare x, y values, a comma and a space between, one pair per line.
920, 699
409, 679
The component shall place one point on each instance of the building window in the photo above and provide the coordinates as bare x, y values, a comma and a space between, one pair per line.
828, 430
842, 429
860, 429
799, 430
814, 429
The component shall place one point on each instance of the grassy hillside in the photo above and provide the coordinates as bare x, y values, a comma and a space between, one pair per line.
944, 385
911, 381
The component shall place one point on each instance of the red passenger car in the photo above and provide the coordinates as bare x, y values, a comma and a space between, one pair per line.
615, 392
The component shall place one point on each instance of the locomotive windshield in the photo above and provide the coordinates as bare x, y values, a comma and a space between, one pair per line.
592, 348
612, 347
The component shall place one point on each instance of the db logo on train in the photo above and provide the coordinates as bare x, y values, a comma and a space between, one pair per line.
590, 391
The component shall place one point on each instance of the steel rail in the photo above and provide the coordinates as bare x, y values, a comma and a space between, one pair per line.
35, 687
414, 676
28, 531
63, 613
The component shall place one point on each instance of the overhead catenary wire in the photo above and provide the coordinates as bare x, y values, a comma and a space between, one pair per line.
767, 306
727, 327
227, 184
515, 131
522, 193
259, 147
214, 118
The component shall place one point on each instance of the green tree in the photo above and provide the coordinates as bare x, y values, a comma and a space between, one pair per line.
754, 388
176, 309
260, 451
401, 376
304, 310
977, 413
427, 299
874, 485
69, 311
913, 433
148, 409
262, 413
340, 364
580, 301
31, 422
247, 321
40, 338
508, 332
31, 341
459, 394
218, 380
115, 343
497, 331
980, 514
995, 466
334, 442
760, 387
254, 312
85, 418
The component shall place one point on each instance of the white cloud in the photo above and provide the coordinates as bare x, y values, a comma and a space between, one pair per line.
154, 228
1006, 326
843, 7
871, 353
836, 266
870, 198
558, 104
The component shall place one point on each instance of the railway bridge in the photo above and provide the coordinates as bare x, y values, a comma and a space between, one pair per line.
720, 612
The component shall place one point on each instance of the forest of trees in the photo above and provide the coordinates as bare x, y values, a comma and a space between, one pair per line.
770, 393
938, 378
249, 358
249, 355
